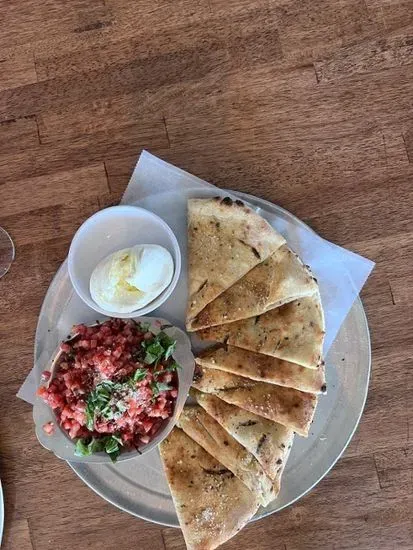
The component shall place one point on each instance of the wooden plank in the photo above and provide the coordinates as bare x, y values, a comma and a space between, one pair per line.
395, 14
408, 140
310, 29
17, 70
42, 224
392, 252
71, 186
119, 172
395, 469
83, 151
376, 55
23, 23
159, 14
18, 134
17, 537
402, 288
234, 44
255, 39
401, 201
387, 389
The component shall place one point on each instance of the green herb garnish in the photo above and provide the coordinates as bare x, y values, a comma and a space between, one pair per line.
139, 375
157, 387
154, 352
109, 400
173, 367
160, 347
109, 443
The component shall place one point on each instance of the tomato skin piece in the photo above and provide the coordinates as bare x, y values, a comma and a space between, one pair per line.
49, 428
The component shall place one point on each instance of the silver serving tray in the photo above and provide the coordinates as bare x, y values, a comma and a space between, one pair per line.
139, 486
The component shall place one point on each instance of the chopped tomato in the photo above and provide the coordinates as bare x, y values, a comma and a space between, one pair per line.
111, 352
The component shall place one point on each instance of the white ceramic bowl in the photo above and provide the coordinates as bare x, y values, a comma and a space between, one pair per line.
110, 230
64, 447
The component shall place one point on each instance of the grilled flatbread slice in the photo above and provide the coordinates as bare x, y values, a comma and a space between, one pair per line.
225, 240
292, 408
263, 368
268, 441
212, 437
279, 279
211, 503
293, 332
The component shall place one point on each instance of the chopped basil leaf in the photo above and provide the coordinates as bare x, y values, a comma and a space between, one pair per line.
149, 358
109, 444
174, 366
167, 342
169, 350
139, 375
155, 348
82, 448
114, 455
160, 347
97, 445
90, 416
157, 387
117, 438
163, 387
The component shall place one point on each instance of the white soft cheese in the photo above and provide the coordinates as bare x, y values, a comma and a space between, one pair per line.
129, 279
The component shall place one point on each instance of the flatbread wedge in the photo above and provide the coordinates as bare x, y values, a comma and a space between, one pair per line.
212, 437
293, 332
211, 503
292, 408
225, 240
268, 441
263, 368
279, 279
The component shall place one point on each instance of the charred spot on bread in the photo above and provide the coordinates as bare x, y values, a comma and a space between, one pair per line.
221, 472
261, 442
203, 285
227, 201
252, 248
198, 374
247, 423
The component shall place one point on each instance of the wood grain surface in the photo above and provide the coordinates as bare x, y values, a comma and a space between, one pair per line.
307, 103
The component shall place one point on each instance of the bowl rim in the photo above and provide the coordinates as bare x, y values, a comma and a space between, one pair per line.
155, 303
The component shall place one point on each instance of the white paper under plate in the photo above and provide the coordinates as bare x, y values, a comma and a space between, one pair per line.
139, 486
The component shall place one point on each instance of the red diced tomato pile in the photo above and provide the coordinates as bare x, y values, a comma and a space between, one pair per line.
108, 383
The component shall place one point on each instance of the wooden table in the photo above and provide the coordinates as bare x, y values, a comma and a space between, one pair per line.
308, 103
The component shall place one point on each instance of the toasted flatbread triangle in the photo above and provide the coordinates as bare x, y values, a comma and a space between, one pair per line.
292, 408
211, 503
268, 441
225, 240
279, 279
263, 368
293, 332
212, 437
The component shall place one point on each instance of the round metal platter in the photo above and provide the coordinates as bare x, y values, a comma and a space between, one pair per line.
139, 486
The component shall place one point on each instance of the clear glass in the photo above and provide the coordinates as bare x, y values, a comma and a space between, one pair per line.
6, 252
